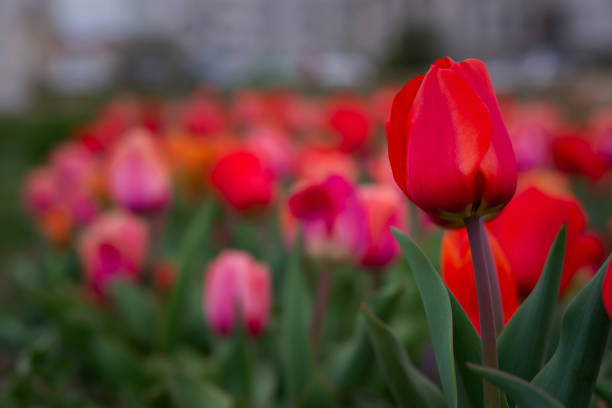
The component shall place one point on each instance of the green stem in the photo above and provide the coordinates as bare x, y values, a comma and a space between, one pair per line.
320, 307
479, 246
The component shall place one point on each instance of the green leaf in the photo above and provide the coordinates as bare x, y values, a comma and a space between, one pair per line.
293, 338
524, 394
467, 348
604, 390
198, 230
571, 373
408, 386
523, 355
354, 364
189, 392
135, 310
453, 337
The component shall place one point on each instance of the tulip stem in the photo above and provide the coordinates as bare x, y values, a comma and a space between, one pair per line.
320, 307
481, 259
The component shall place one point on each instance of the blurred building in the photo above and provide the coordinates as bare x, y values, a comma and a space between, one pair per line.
84, 45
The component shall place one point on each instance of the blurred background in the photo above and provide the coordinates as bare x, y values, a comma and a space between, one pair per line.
62, 58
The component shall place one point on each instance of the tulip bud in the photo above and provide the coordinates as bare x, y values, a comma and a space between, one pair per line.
138, 177
448, 145
458, 274
574, 154
236, 284
384, 209
243, 180
113, 246
332, 217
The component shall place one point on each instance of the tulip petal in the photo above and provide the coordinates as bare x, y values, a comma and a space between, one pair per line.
449, 133
396, 125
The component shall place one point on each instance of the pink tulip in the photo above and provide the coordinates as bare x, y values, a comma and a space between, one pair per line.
39, 193
138, 176
384, 209
236, 284
113, 246
274, 146
332, 217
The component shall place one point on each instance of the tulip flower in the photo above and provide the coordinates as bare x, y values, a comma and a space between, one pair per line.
235, 284
203, 115
332, 217
448, 145
138, 176
243, 180
458, 274
606, 291
114, 246
349, 120
384, 209
274, 145
527, 228
39, 193
574, 154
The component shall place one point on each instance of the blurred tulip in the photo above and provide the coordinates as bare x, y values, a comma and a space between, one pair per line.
332, 217
574, 154
235, 284
527, 228
203, 115
315, 163
73, 165
606, 291
384, 209
349, 119
113, 246
448, 145
137, 175
458, 274
532, 128
243, 180
39, 192
600, 130
274, 146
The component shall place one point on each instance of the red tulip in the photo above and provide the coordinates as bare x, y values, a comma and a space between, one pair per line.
458, 273
384, 209
113, 246
236, 284
244, 180
138, 176
527, 228
332, 217
203, 115
606, 291
575, 154
448, 145
349, 119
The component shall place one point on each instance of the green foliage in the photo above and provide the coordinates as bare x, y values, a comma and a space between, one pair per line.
571, 373
409, 387
523, 355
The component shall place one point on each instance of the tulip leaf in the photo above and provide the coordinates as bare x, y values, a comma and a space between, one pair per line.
408, 386
135, 310
524, 394
454, 340
571, 373
353, 366
294, 347
522, 355
467, 348
604, 390
188, 392
196, 232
